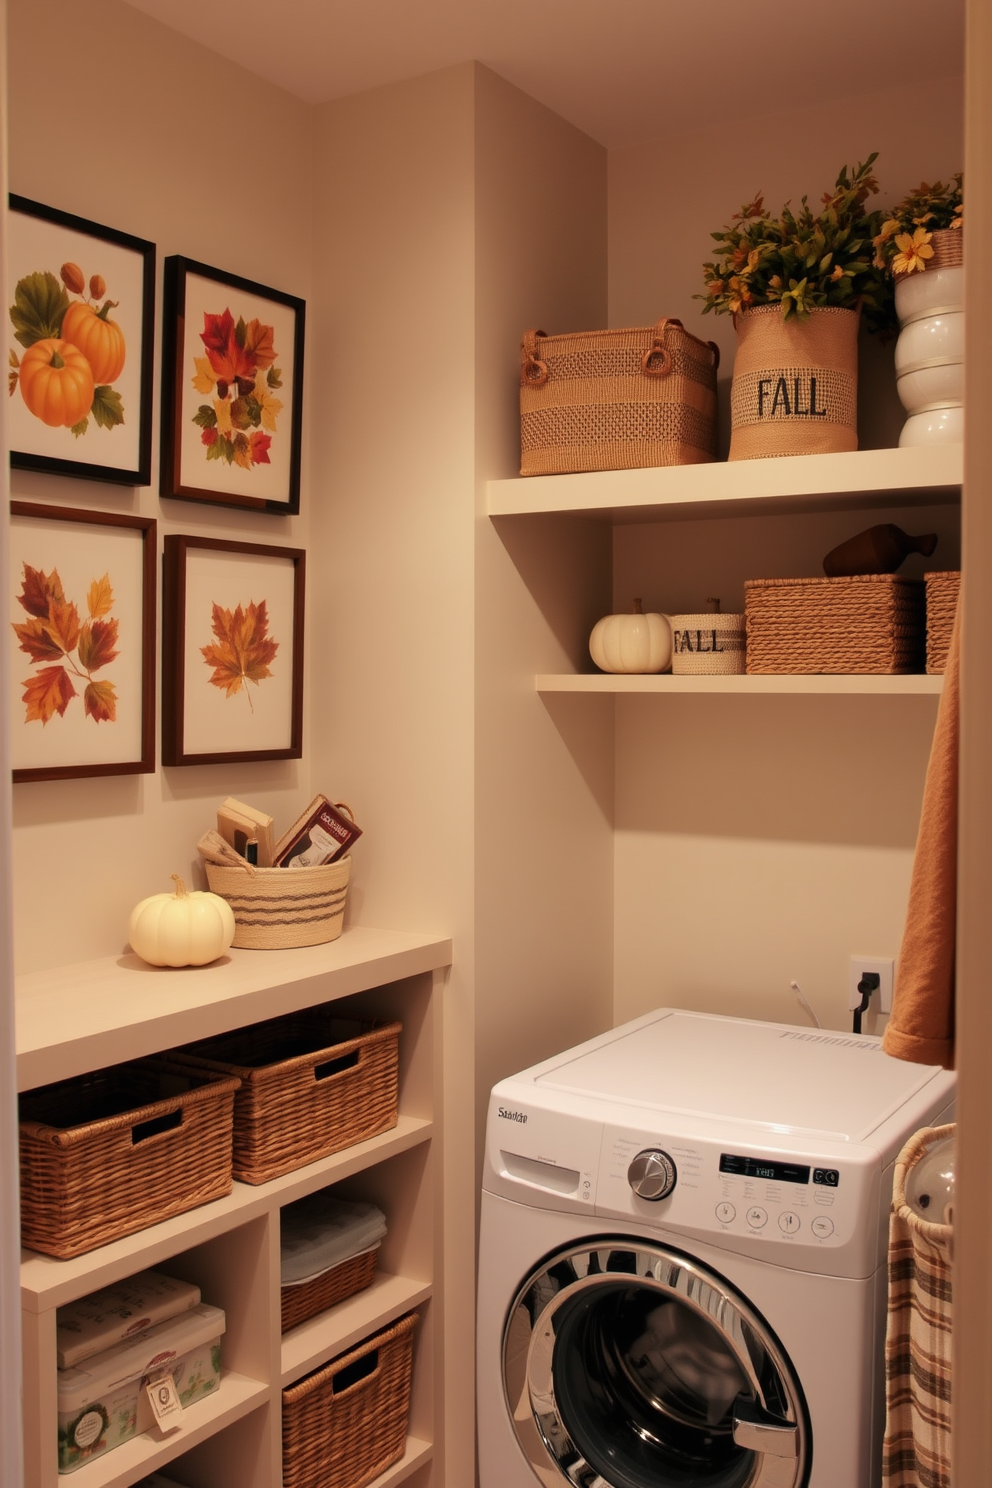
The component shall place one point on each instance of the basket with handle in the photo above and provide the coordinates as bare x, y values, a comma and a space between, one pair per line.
617, 400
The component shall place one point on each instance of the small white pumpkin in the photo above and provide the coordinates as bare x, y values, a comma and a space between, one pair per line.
632, 643
182, 928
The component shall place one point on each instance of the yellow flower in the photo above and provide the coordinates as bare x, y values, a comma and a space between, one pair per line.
914, 250
958, 219
838, 273
271, 407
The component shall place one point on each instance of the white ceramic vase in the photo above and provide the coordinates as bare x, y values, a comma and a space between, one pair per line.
929, 353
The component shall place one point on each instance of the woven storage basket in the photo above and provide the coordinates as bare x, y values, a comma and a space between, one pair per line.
278, 908
111, 1152
311, 1083
872, 623
617, 400
344, 1424
795, 387
343, 1280
942, 604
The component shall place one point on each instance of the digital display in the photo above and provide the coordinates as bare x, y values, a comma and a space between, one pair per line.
757, 1167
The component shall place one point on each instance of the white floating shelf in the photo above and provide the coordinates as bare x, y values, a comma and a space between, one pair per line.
71, 1019
333, 1332
748, 686
926, 476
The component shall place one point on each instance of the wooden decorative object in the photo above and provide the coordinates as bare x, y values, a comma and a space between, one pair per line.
877, 550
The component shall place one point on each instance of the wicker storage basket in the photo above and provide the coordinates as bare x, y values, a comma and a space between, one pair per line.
111, 1152
344, 1424
872, 623
616, 400
311, 1083
278, 908
942, 604
311, 1297
795, 387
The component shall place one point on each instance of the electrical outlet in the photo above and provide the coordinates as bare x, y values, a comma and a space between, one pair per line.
881, 1001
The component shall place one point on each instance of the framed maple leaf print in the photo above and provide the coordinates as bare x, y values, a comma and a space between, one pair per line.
81, 638
80, 323
232, 671
232, 390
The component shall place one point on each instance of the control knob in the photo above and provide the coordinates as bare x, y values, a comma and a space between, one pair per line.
652, 1175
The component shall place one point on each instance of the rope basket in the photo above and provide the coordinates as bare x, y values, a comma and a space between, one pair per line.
346, 1423
311, 1084
279, 908
870, 623
795, 387
111, 1152
299, 1303
943, 589
617, 400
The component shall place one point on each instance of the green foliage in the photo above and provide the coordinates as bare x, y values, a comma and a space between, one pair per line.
804, 260
40, 302
107, 410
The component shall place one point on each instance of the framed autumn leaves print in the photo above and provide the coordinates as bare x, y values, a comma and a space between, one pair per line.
232, 409
232, 652
82, 643
79, 346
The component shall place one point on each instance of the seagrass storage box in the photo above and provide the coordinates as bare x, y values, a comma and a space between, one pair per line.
328, 1251
942, 603
311, 1083
871, 623
280, 908
346, 1423
111, 1152
617, 400
300, 1303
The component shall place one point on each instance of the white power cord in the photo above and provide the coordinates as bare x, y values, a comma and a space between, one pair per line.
805, 1002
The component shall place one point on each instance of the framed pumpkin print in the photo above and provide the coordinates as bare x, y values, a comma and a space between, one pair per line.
232, 670
82, 643
232, 386
80, 353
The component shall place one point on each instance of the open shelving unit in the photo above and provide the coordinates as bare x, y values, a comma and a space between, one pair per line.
78, 1018
825, 684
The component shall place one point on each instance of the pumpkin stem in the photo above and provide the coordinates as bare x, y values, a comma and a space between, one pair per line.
637, 607
56, 360
105, 310
180, 886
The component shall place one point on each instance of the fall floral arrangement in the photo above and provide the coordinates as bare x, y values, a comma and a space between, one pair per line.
904, 242
803, 260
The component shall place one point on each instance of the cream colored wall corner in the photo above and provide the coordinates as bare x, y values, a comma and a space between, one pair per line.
544, 774
761, 840
150, 133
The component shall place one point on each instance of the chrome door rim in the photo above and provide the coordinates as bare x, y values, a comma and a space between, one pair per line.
529, 1385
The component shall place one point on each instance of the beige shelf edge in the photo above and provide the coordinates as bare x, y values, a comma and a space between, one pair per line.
76, 1018
799, 483
331, 1333
915, 685
417, 1453
47, 1282
127, 1464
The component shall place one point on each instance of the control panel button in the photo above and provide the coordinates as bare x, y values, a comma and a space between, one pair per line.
788, 1222
756, 1217
726, 1213
652, 1175
822, 1227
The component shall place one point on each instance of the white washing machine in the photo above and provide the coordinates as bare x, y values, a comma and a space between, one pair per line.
682, 1271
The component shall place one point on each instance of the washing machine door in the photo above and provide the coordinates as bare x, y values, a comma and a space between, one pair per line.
627, 1364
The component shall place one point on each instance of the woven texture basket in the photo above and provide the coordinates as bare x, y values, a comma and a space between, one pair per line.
871, 623
111, 1152
344, 1424
617, 400
795, 387
311, 1084
312, 1297
942, 603
278, 908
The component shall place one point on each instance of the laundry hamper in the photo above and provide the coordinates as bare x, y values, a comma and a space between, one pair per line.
311, 1083
111, 1152
617, 400
279, 908
346, 1423
870, 623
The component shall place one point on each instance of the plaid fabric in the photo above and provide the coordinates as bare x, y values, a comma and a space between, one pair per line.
917, 1450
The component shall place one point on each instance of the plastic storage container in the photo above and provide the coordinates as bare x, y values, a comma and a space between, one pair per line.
92, 1324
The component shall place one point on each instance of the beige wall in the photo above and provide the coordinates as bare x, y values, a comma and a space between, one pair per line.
761, 840
163, 157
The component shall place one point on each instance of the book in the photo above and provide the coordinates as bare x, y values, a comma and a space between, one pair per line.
238, 823
322, 834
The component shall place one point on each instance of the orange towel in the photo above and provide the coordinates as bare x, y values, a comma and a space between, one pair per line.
921, 1028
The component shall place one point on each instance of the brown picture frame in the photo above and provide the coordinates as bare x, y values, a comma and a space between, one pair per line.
231, 613
232, 390
73, 622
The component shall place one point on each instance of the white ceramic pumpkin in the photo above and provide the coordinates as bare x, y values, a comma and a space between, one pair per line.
632, 643
182, 928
